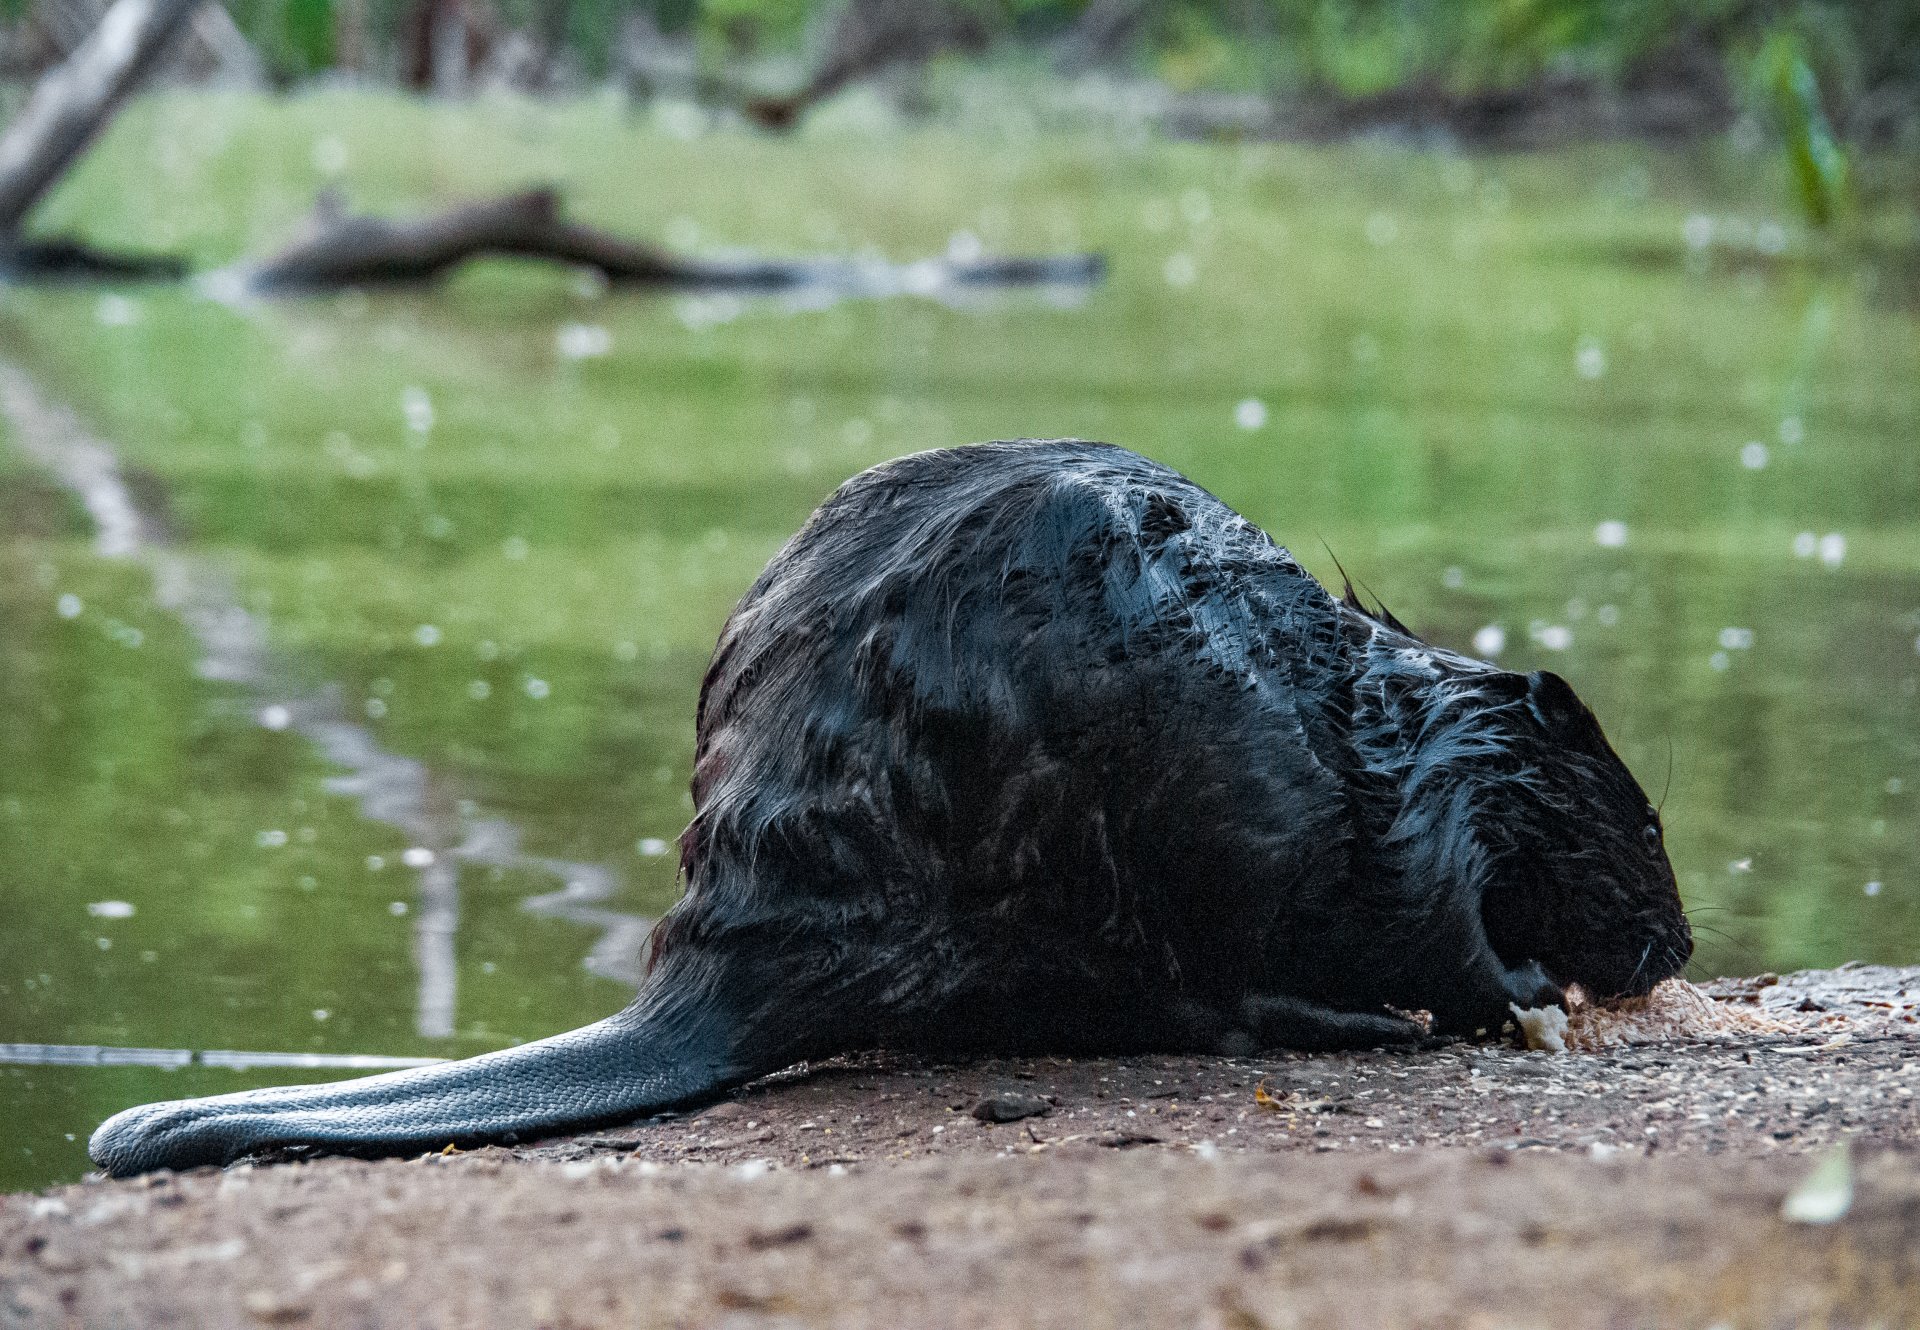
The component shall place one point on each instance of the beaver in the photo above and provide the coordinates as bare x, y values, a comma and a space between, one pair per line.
1038, 746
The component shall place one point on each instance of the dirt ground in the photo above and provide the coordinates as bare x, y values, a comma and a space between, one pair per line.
1454, 1186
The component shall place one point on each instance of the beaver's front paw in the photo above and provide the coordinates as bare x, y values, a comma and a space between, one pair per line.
1528, 987
1483, 1012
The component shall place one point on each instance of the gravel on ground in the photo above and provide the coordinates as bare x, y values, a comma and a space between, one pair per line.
1461, 1185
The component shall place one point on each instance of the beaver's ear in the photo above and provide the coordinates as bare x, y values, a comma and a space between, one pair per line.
1553, 701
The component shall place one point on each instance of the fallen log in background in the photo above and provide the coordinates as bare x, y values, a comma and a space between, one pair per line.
59, 259
341, 250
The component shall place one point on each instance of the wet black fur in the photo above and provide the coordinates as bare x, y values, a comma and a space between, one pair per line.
1039, 746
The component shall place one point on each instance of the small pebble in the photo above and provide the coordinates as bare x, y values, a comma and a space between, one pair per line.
1011, 1107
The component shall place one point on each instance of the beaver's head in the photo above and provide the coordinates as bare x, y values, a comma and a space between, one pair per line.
1579, 875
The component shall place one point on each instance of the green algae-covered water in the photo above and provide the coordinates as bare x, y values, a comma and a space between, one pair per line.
369, 733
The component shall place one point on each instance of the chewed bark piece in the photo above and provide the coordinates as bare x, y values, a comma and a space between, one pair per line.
1675, 1011
1544, 1028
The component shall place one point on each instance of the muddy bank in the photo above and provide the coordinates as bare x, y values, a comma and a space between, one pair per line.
1460, 1185
1149, 1238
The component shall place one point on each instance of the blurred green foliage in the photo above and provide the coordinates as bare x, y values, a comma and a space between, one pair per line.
1859, 54
1819, 164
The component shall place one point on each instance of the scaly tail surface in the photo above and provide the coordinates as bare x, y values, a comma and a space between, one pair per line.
675, 1044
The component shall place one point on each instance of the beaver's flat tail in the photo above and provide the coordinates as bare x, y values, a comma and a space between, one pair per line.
670, 1047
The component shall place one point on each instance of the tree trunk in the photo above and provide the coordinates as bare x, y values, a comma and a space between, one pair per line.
74, 101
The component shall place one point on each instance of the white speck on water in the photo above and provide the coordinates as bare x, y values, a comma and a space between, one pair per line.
1894, 783
753, 1168
1736, 639
69, 606
329, 155
537, 688
1740, 866
1251, 414
922, 278
116, 312
275, 717
427, 635
1611, 534
110, 910
964, 247
375, 708
417, 407
439, 526
582, 341
1196, 206
836, 1170
1553, 636
699, 312
1589, 358
487, 649
417, 856
1206, 1150
1872, 889
1179, 269
514, 547
479, 690
1753, 456
1833, 549
1719, 660
857, 433
396, 908
1770, 238
652, 847
376, 862
321, 1013
1607, 615
271, 839
1382, 228
626, 652
1805, 545
105, 944
1793, 430
1490, 641
1453, 577
1697, 231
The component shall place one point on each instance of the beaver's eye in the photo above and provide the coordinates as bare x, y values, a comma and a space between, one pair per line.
1652, 835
